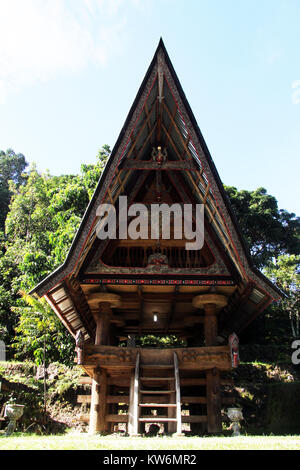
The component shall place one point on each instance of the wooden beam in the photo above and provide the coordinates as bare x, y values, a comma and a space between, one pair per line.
194, 419
178, 399
134, 400
191, 400
170, 314
141, 130
95, 400
152, 165
102, 402
213, 401
117, 418
141, 313
84, 398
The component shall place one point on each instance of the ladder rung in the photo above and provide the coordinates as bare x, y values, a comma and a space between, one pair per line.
155, 419
156, 366
156, 392
160, 405
153, 399
157, 378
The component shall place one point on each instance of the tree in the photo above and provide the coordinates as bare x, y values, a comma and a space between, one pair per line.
45, 212
12, 168
285, 272
41, 335
268, 231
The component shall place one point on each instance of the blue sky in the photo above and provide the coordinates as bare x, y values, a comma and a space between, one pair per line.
70, 70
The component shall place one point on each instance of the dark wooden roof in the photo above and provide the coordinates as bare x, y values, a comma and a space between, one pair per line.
160, 109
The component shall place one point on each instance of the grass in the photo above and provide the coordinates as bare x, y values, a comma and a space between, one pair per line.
86, 442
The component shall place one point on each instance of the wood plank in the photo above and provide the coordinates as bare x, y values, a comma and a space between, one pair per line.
134, 399
117, 418
194, 400
213, 401
84, 398
85, 380
154, 379
156, 366
190, 382
151, 165
152, 399
102, 401
157, 419
186, 382
157, 392
118, 399
94, 409
194, 419
158, 405
178, 400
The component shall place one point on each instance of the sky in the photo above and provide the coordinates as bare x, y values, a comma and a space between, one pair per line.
70, 70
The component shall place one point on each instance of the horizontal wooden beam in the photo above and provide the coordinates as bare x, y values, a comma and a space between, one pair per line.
189, 382
194, 419
116, 418
84, 398
152, 165
202, 400
157, 419
85, 380
119, 399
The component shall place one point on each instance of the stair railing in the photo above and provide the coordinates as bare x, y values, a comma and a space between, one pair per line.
178, 398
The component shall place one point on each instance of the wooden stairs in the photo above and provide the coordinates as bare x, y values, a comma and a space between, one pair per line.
156, 393
155, 397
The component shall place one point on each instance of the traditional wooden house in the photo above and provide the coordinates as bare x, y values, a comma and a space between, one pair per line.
110, 292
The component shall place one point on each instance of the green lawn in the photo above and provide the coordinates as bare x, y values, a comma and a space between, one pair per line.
86, 442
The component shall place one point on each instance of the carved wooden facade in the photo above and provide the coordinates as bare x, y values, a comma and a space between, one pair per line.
109, 293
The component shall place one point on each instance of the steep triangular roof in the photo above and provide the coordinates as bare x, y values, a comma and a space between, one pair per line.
161, 114
161, 81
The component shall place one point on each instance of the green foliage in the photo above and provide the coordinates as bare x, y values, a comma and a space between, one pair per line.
12, 166
44, 214
269, 232
39, 328
285, 272
170, 341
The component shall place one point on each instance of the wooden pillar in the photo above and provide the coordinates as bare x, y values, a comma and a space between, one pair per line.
98, 402
103, 425
212, 303
172, 425
214, 423
95, 399
210, 324
134, 400
105, 301
102, 319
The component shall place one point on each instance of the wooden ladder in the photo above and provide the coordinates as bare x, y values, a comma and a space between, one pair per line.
155, 387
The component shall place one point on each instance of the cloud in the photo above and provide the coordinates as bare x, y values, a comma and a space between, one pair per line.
43, 39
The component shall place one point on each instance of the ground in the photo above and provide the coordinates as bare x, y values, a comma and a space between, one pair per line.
268, 392
82, 441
